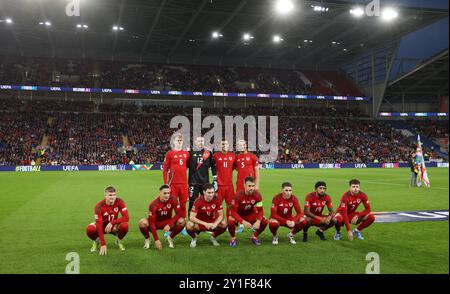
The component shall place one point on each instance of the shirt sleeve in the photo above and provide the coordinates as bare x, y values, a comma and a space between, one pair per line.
365, 202
123, 212
152, 221
298, 209
274, 214
166, 166
99, 224
234, 209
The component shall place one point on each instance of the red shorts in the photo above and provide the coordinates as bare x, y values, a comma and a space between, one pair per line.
239, 185
251, 218
180, 191
316, 222
352, 215
162, 224
226, 193
202, 228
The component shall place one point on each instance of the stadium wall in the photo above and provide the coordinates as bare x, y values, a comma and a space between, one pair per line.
149, 167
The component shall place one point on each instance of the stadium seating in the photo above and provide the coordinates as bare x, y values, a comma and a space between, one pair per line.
84, 133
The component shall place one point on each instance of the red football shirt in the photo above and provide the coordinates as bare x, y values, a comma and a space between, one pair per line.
225, 164
243, 205
317, 204
160, 211
175, 167
282, 208
350, 203
105, 214
207, 211
246, 163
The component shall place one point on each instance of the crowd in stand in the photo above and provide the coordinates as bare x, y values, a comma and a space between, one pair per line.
437, 129
83, 133
102, 74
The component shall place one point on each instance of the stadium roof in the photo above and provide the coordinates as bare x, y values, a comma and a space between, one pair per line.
180, 31
430, 78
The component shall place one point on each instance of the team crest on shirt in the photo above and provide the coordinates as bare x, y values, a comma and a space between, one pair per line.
213, 206
323, 202
358, 201
247, 158
290, 204
116, 209
105, 214
230, 158
253, 201
175, 156
169, 206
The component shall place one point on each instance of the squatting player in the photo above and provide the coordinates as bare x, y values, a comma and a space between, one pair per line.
225, 163
164, 213
247, 165
207, 216
314, 206
281, 214
347, 213
174, 172
106, 214
200, 162
247, 209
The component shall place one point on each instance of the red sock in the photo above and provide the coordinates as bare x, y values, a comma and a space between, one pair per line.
183, 210
191, 233
369, 220
145, 231
339, 222
232, 228
298, 227
219, 231
176, 230
122, 230
262, 227
273, 226
91, 232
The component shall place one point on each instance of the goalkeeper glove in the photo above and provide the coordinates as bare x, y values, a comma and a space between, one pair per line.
216, 186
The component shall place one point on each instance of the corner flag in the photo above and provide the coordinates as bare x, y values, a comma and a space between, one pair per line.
422, 176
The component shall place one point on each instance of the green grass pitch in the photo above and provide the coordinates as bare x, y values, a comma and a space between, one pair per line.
43, 217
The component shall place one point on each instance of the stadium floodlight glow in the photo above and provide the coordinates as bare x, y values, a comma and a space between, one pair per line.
317, 8
8, 21
284, 7
277, 39
216, 35
82, 26
247, 37
389, 14
45, 23
117, 28
357, 12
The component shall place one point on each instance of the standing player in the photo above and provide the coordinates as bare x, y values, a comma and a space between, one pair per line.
161, 217
347, 213
281, 214
314, 205
174, 172
106, 214
200, 161
247, 209
247, 165
206, 216
225, 163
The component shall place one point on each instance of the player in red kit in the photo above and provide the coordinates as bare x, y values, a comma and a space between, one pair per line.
347, 212
164, 213
175, 170
281, 214
207, 216
225, 163
315, 203
106, 214
247, 165
247, 209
